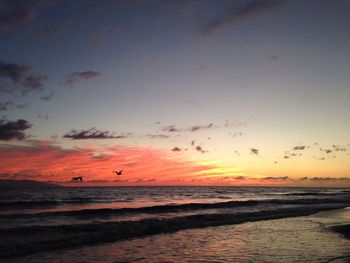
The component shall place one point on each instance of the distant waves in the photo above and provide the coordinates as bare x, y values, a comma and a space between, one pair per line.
106, 212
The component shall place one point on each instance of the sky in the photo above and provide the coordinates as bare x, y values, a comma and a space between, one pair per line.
175, 92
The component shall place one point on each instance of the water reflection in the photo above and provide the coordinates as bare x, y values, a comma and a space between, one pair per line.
300, 239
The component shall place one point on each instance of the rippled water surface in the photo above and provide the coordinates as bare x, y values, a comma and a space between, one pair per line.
301, 239
172, 224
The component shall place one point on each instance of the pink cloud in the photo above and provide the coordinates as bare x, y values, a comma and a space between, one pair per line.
46, 161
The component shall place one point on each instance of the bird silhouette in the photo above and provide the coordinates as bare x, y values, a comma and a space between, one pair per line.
118, 172
79, 178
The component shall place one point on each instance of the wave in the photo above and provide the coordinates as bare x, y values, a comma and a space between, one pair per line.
22, 241
173, 208
27, 204
47, 203
315, 193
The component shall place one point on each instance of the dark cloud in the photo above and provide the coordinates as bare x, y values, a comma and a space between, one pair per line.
4, 106
246, 10
326, 150
13, 72
171, 128
201, 127
254, 151
93, 133
299, 148
339, 148
286, 157
304, 178
11, 130
15, 77
43, 116
77, 76
47, 97
158, 136
199, 149
151, 180
280, 178
9, 105
176, 149
34, 83
15, 13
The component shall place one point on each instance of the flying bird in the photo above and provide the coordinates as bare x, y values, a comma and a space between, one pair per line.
79, 178
118, 173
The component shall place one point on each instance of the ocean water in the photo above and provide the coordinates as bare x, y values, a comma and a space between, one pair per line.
184, 224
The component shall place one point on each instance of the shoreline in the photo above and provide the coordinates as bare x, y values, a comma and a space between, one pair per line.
293, 239
93, 234
344, 230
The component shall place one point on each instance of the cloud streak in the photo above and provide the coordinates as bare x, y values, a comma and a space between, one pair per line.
194, 128
93, 133
158, 136
238, 13
74, 77
4, 106
299, 148
15, 77
176, 149
15, 13
47, 97
201, 127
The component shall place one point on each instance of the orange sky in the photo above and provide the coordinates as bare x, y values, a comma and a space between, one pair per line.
46, 161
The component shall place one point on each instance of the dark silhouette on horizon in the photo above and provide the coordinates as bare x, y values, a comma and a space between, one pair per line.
118, 173
79, 178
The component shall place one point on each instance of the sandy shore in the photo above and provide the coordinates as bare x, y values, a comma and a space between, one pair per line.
286, 240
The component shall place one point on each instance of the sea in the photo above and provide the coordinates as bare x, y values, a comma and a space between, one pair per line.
173, 224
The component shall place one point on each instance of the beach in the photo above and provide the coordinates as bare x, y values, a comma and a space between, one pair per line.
297, 239
194, 224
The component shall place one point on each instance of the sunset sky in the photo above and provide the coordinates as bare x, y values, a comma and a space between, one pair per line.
173, 92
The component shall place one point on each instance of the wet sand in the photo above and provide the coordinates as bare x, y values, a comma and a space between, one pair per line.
343, 229
297, 239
